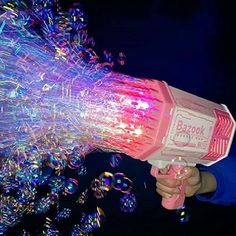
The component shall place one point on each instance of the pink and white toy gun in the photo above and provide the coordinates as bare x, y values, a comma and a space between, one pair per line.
183, 129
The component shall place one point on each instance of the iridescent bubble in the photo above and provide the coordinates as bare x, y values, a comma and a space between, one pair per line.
24, 233
127, 185
75, 160
178, 165
63, 214
26, 194
121, 58
57, 183
77, 231
95, 184
118, 181
128, 203
11, 210
108, 60
46, 174
107, 56
30, 208
78, 20
83, 197
82, 170
3, 229
50, 229
115, 160
97, 191
92, 221
106, 181
183, 215
71, 186
53, 160
43, 204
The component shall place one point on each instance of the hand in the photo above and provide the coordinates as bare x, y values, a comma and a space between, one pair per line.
197, 182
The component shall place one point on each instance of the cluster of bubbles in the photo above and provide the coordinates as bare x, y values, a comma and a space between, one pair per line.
119, 182
55, 109
108, 59
14, 208
39, 34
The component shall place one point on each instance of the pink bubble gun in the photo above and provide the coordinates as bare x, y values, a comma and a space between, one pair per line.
180, 130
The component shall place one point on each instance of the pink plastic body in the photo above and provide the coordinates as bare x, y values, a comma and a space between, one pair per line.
182, 125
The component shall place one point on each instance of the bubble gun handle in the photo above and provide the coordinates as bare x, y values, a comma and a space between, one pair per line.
177, 200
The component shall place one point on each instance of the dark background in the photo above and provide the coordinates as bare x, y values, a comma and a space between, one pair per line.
191, 46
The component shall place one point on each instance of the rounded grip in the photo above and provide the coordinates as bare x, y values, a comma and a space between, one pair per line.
177, 200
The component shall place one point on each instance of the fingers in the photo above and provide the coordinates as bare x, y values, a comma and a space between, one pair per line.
167, 187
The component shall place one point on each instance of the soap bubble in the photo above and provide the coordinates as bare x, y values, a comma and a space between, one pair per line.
127, 185
121, 58
106, 181
83, 197
63, 214
71, 186
82, 170
57, 183
128, 203
115, 160
183, 215
75, 161
118, 181
97, 191
92, 221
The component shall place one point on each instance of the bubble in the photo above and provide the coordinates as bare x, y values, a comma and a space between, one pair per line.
75, 161
50, 229
97, 191
108, 59
115, 160
83, 197
43, 204
118, 181
30, 208
92, 221
3, 229
121, 58
178, 165
77, 231
26, 194
128, 203
106, 181
78, 19
127, 185
54, 161
63, 214
95, 184
46, 174
71, 186
11, 210
82, 170
183, 215
24, 233
57, 183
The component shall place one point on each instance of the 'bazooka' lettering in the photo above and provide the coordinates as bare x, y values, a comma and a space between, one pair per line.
190, 129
